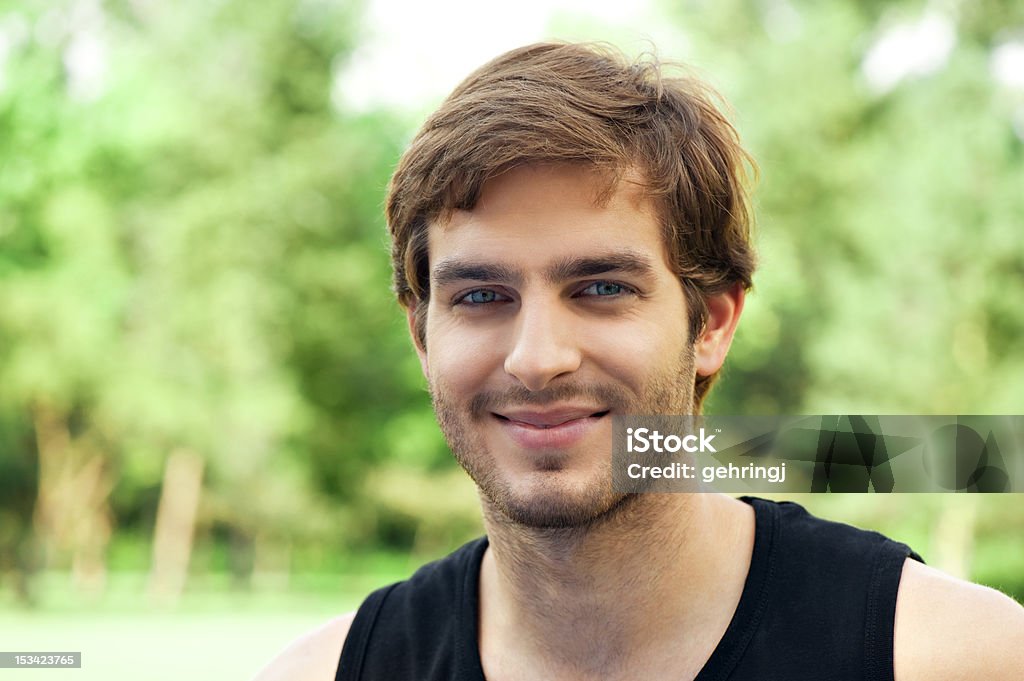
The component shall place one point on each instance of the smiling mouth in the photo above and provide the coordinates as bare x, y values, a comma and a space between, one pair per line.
597, 414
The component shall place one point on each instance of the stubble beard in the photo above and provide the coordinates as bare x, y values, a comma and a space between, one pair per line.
555, 505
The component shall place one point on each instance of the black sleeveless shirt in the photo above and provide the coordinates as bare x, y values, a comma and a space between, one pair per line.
818, 604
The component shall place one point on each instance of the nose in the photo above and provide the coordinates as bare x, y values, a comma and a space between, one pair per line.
544, 345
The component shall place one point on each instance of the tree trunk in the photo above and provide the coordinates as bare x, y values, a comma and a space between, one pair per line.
175, 525
72, 517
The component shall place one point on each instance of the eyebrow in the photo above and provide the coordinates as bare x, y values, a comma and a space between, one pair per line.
628, 262
451, 271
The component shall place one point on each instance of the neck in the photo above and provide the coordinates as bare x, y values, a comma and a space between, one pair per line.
619, 595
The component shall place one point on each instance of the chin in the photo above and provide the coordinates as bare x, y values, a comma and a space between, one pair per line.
552, 503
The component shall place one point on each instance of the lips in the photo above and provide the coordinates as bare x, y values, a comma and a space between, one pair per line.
555, 428
551, 417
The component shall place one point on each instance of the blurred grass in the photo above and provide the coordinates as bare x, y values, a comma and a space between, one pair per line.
156, 647
216, 631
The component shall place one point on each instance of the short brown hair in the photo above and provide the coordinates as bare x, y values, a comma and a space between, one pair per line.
585, 104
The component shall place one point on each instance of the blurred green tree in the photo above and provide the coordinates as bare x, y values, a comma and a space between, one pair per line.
191, 260
193, 267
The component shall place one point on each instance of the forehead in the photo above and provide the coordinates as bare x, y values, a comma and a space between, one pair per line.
543, 212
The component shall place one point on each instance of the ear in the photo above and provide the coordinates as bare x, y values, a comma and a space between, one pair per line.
410, 318
713, 343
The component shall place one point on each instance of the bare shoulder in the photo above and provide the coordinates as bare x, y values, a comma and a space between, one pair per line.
311, 657
951, 630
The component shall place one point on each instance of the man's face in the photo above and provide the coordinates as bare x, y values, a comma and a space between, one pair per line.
549, 313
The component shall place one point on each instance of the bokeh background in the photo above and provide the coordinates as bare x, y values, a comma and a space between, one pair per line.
213, 432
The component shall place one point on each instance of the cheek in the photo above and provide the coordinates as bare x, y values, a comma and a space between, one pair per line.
636, 349
459, 364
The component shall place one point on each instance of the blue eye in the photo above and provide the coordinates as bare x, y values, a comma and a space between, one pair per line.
481, 296
604, 289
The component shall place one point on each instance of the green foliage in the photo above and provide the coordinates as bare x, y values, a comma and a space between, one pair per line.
193, 256
888, 220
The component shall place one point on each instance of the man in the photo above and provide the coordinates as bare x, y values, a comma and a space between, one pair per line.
571, 241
